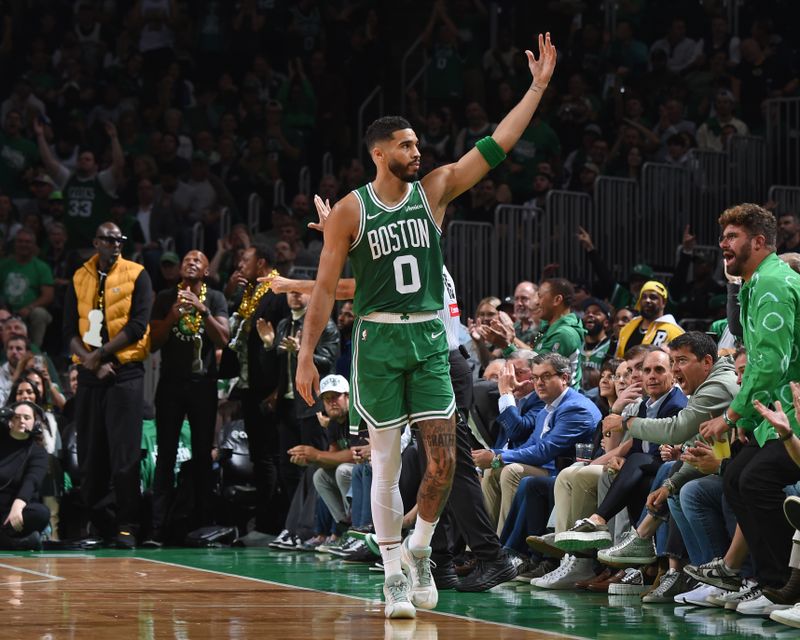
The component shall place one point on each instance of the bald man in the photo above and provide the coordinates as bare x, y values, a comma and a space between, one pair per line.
106, 315
189, 322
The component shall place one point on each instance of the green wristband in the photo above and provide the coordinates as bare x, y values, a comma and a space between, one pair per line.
509, 350
491, 151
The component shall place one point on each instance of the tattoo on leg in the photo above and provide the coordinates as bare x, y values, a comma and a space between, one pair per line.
439, 439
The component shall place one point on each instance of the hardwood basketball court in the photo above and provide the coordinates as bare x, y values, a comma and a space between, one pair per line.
247, 594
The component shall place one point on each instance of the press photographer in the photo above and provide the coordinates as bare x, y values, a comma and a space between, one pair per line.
23, 466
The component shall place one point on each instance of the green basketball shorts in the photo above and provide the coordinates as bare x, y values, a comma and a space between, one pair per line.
401, 371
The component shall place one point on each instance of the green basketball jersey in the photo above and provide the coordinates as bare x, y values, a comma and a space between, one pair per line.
396, 259
87, 205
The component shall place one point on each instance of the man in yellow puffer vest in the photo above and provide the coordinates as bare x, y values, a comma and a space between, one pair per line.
106, 314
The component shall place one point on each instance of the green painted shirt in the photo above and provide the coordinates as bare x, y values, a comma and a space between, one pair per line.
396, 259
770, 315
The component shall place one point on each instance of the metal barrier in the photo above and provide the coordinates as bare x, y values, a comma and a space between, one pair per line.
327, 163
224, 222
513, 247
613, 226
375, 94
152, 369
665, 210
783, 139
254, 213
556, 231
279, 193
198, 236
748, 168
304, 181
468, 254
710, 192
405, 83
788, 199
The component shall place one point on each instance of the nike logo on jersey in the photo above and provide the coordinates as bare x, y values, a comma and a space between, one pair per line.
369, 217
436, 335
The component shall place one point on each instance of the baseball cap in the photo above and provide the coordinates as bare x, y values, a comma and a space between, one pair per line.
597, 302
45, 179
643, 271
170, 257
591, 166
593, 128
335, 383
652, 285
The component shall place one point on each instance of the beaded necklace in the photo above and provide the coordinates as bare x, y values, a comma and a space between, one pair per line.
190, 324
252, 297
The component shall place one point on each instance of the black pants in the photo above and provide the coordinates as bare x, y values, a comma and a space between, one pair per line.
108, 421
754, 482
465, 512
631, 487
35, 517
176, 400
262, 440
292, 431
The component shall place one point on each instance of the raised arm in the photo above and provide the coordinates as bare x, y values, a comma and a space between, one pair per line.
340, 229
51, 165
450, 181
117, 155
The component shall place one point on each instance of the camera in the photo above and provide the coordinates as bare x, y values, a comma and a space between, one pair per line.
7, 414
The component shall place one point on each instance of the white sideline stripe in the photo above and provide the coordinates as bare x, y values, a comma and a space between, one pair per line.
362, 599
32, 572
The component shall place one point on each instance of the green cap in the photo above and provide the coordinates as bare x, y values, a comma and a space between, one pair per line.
170, 257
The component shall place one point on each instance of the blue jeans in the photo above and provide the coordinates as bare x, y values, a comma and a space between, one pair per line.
704, 518
529, 512
361, 509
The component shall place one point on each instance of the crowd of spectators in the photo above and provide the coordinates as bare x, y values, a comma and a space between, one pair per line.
129, 126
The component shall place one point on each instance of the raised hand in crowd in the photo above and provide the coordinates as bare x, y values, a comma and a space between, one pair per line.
266, 332
689, 240
585, 239
630, 394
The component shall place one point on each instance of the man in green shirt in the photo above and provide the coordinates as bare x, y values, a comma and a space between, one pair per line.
563, 332
770, 315
26, 284
88, 192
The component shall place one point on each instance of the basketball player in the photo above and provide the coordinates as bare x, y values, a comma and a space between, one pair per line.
390, 229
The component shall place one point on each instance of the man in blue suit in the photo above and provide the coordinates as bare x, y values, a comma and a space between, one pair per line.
516, 419
566, 419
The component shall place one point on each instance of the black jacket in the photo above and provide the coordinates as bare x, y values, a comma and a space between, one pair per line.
325, 356
23, 466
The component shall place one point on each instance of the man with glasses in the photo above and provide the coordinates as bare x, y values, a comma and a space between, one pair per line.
770, 314
106, 314
567, 418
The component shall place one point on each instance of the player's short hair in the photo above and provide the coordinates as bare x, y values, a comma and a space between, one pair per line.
383, 129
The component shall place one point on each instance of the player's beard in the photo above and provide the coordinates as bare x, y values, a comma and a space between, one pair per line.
402, 171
